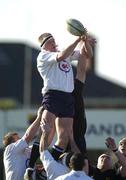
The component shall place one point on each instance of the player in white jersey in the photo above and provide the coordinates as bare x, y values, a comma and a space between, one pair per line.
79, 124
17, 150
56, 71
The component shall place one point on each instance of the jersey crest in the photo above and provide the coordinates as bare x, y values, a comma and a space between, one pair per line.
64, 66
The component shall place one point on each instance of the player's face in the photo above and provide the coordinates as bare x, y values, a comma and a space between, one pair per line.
122, 147
51, 45
105, 161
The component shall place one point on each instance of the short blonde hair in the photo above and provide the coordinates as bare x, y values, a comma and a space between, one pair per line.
8, 138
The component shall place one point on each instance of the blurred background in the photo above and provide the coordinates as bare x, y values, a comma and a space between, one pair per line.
21, 22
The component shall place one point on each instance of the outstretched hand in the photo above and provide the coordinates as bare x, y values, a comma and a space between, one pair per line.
87, 38
110, 143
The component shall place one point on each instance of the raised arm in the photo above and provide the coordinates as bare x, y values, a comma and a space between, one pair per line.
82, 64
32, 129
110, 142
68, 51
89, 43
86, 54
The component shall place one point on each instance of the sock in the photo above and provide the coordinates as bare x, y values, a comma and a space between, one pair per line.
34, 154
56, 152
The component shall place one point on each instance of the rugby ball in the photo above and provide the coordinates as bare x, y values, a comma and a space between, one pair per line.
75, 27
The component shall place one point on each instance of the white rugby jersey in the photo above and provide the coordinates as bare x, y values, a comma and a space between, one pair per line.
56, 75
52, 167
15, 157
74, 175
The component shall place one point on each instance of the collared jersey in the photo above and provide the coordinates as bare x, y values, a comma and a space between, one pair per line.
56, 75
74, 175
53, 168
15, 156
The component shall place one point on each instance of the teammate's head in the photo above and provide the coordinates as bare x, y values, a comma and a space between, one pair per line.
10, 137
79, 162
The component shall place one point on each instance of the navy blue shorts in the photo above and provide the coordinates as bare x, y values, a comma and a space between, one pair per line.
59, 103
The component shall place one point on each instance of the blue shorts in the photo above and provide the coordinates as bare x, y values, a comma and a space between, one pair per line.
59, 103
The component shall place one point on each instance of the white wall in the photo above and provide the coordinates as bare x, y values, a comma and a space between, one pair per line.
104, 123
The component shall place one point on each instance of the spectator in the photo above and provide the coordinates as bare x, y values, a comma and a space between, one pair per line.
119, 152
104, 169
17, 151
